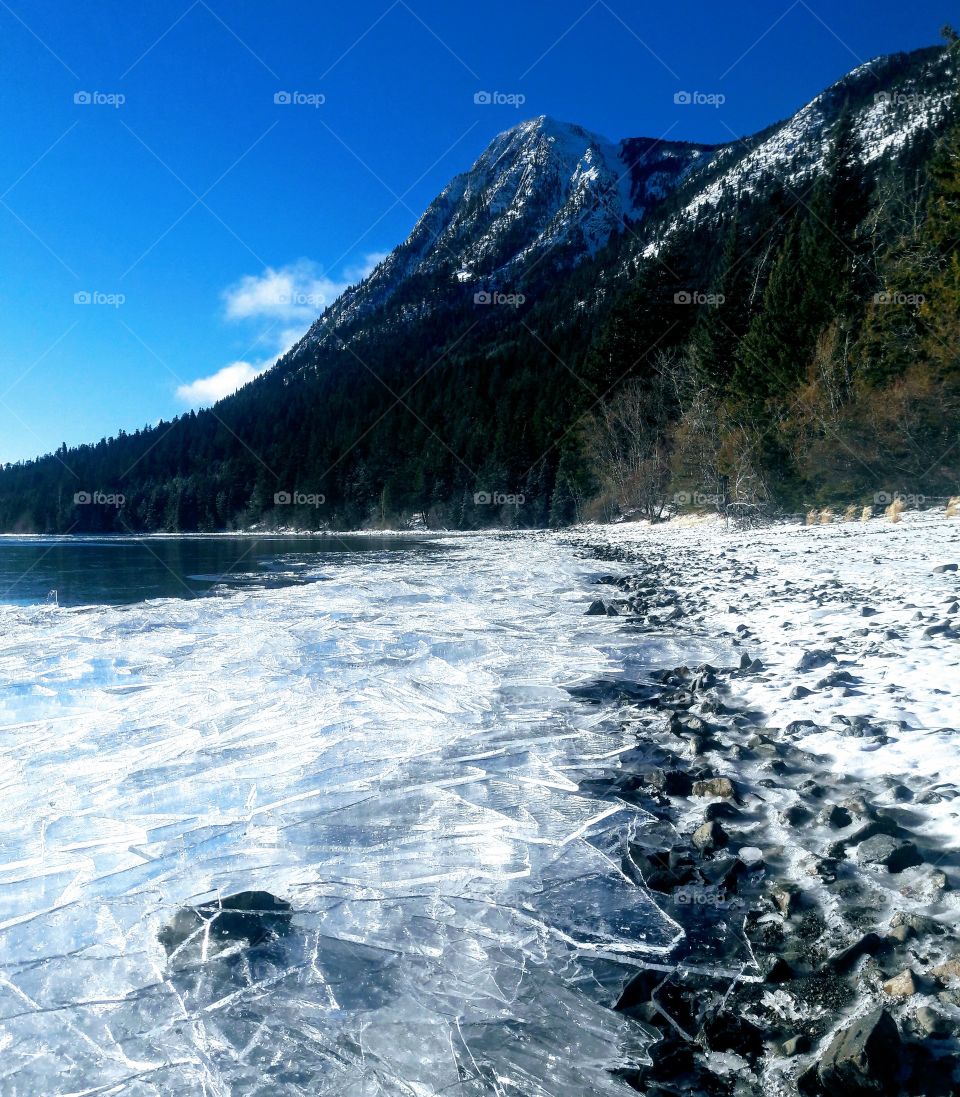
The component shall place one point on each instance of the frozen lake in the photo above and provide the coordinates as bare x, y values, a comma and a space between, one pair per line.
121, 570
394, 752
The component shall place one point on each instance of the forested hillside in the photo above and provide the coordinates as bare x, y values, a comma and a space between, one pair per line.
757, 331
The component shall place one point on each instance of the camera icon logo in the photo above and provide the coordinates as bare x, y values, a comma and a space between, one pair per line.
282, 498
82, 298
482, 298
683, 98
683, 298
82, 98
883, 498
281, 98
482, 98
482, 498
82, 498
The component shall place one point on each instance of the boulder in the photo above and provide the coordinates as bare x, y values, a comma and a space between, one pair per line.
811, 660
863, 1059
933, 1023
892, 853
249, 917
709, 836
715, 786
904, 985
836, 816
947, 972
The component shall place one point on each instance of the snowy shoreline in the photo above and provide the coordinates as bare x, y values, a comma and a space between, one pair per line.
806, 797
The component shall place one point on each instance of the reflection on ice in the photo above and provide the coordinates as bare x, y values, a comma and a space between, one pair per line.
393, 752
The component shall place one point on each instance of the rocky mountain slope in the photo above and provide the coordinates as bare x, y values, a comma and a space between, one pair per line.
553, 222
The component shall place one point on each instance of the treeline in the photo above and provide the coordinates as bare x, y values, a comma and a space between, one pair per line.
823, 362
795, 346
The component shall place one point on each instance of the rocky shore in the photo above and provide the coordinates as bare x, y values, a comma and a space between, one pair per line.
803, 802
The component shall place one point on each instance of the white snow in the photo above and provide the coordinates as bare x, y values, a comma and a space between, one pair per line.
811, 587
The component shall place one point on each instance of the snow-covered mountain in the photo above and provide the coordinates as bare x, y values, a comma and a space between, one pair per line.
543, 187
546, 195
890, 100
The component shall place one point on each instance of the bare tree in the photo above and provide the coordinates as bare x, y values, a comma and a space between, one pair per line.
627, 442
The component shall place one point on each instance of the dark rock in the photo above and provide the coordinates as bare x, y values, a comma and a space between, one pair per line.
837, 678
252, 917
727, 1031
671, 782
868, 611
939, 629
798, 693
800, 727
870, 944
796, 815
890, 852
796, 1045
919, 923
811, 660
813, 789
933, 1023
709, 836
722, 872
863, 1059
899, 935
942, 569
779, 972
837, 817
597, 608
901, 793
721, 809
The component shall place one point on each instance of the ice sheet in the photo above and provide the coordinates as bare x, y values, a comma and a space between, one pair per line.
394, 752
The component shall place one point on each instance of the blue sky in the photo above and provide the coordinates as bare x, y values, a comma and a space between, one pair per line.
167, 227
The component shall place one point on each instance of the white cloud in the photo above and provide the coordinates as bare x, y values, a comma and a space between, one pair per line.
208, 390
298, 291
293, 296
